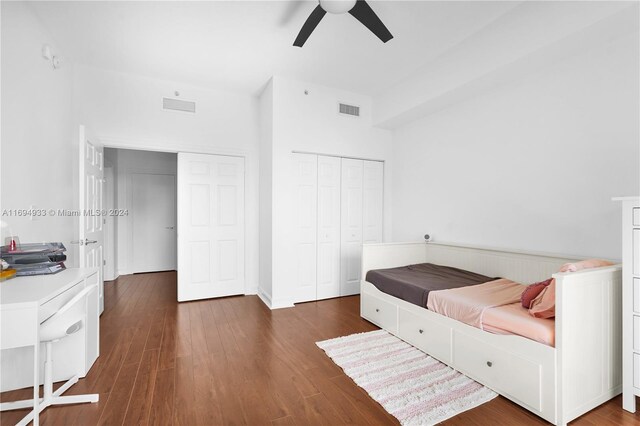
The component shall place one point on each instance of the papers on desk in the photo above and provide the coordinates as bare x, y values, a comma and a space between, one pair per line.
35, 259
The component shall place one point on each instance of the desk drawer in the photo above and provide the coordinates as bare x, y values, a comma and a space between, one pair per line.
506, 373
428, 336
51, 306
380, 312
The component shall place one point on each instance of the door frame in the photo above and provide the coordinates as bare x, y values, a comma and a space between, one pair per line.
109, 193
250, 174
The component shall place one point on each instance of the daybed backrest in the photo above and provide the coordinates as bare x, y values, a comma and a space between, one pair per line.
521, 267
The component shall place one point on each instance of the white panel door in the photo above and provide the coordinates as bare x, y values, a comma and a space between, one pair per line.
153, 210
91, 167
372, 201
351, 232
328, 274
305, 187
210, 226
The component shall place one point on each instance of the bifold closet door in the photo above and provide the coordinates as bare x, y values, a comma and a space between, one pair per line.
305, 187
328, 269
210, 226
351, 224
372, 201
362, 207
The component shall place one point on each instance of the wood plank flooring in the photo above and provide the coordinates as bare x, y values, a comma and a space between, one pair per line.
232, 361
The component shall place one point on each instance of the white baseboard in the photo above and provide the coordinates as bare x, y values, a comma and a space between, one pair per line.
274, 304
266, 299
281, 303
112, 278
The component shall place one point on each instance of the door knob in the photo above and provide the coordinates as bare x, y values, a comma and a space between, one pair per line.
84, 242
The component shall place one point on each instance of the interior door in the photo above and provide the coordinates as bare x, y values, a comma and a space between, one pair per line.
305, 186
91, 233
210, 226
372, 201
328, 274
351, 238
153, 210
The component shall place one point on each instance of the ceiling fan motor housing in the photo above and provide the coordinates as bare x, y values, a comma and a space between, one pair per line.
337, 6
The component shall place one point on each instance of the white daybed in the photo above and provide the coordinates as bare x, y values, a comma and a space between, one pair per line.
558, 384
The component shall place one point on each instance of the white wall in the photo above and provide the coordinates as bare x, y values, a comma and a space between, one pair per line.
125, 111
311, 123
38, 156
532, 165
126, 163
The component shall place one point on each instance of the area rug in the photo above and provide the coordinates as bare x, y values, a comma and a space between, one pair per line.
409, 384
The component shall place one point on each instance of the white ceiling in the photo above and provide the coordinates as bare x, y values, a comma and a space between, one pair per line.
238, 45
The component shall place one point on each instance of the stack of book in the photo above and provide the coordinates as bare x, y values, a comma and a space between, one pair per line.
35, 259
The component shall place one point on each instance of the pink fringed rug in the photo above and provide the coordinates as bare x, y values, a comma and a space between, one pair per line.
412, 386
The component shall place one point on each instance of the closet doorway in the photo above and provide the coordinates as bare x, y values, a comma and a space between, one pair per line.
178, 211
141, 232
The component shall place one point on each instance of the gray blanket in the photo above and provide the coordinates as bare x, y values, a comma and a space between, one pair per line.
414, 282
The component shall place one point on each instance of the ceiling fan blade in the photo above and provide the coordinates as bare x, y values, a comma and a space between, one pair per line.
363, 13
312, 22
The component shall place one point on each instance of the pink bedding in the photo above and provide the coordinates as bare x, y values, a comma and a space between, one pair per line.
514, 319
494, 307
468, 304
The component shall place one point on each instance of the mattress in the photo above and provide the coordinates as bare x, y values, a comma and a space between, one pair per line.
491, 304
514, 319
413, 283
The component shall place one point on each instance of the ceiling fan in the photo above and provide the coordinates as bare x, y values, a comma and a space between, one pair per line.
359, 9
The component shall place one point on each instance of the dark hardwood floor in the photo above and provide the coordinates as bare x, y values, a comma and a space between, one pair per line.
233, 361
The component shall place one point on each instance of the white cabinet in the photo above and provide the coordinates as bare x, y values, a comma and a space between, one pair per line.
630, 301
338, 204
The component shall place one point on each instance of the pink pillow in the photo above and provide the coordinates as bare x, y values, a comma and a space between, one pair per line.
532, 291
585, 264
544, 305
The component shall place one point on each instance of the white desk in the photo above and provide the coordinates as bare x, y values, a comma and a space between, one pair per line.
26, 302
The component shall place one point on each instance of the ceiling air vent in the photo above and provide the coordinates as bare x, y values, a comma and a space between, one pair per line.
350, 110
178, 105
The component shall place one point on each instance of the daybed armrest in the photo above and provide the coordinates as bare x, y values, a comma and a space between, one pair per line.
588, 339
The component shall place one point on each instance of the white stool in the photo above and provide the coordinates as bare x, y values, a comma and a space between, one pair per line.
65, 322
